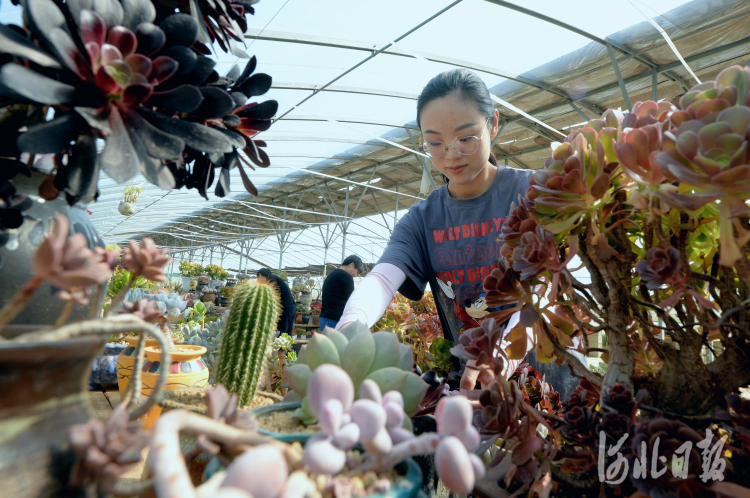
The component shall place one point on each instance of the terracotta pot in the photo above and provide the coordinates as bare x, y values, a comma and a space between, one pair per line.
298, 318
126, 360
315, 319
187, 370
44, 391
208, 297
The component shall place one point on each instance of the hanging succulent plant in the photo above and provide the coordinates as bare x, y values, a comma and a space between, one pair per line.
118, 73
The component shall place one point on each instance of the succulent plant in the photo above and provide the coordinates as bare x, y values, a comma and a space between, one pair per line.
147, 90
536, 391
676, 440
210, 338
106, 450
247, 333
217, 21
363, 355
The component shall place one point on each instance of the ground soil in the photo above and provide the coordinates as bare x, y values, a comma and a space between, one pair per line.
285, 423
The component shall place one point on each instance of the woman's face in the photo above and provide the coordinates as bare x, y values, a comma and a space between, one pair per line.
453, 117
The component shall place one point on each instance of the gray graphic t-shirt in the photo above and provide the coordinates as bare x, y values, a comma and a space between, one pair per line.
454, 244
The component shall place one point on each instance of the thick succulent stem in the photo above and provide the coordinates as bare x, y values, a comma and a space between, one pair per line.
170, 476
248, 332
425, 444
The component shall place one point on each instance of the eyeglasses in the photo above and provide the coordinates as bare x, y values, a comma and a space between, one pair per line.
465, 146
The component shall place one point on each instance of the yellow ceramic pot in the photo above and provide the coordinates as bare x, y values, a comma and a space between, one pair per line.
187, 370
126, 360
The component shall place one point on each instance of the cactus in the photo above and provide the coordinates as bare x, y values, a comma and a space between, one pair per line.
247, 333
362, 355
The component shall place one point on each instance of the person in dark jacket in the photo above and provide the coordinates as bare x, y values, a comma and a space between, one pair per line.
337, 288
288, 308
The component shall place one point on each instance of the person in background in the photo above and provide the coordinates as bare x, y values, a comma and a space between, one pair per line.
337, 288
288, 309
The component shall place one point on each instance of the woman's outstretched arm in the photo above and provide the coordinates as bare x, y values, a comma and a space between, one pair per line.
370, 299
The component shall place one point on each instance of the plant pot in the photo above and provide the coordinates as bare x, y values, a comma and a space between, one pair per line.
315, 319
43, 386
187, 370
305, 298
126, 208
201, 287
104, 369
208, 297
305, 319
126, 360
298, 318
284, 406
186, 284
17, 248
193, 399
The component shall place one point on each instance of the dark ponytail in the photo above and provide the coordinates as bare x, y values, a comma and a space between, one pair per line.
465, 83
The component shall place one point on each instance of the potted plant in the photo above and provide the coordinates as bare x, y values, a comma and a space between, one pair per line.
302, 311
303, 289
226, 296
189, 271
129, 196
263, 467
47, 368
282, 275
315, 310
218, 275
203, 281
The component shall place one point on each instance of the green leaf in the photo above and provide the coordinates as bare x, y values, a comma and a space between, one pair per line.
357, 357
321, 350
389, 379
413, 392
387, 350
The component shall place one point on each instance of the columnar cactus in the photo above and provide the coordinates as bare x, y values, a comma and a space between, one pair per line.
248, 331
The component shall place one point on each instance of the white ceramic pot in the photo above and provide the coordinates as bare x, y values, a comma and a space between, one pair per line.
186, 283
126, 208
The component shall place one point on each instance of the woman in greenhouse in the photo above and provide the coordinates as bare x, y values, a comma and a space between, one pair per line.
451, 240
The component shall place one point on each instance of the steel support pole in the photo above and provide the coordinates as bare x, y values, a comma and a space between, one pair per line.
395, 210
345, 226
654, 85
575, 108
619, 76
421, 161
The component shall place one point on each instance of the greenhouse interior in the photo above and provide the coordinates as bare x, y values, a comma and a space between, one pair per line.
335, 249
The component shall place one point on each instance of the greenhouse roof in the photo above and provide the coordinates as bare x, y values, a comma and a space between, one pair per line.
347, 75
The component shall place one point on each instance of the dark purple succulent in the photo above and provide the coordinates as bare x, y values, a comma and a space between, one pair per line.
224, 109
674, 480
218, 21
660, 267
480, 343
500, 410
619, 397
580, 424
614, 426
